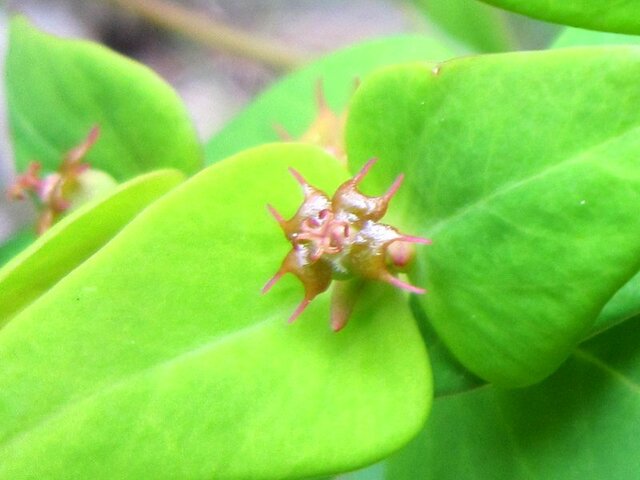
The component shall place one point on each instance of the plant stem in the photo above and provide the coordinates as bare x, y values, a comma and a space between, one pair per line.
204, 30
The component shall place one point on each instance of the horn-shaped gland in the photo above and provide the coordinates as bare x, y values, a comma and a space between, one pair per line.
341, 238
359, 207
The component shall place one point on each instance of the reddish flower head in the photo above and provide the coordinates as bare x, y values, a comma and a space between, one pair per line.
341, 238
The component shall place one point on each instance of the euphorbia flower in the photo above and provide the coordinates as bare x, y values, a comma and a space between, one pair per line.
340, 238
52, 192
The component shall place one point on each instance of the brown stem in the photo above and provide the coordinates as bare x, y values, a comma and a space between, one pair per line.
206, 31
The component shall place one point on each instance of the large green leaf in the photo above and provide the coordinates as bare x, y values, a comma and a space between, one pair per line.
74, 239
481, 27
58, 89
522, 173
582, 423
626, 303
619, 16
290, 102
158, 357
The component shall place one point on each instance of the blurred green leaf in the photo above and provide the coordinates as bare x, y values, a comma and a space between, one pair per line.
620, 16
581, 423
576, 37
74, 239
58, 89
158, 357
522, 173
15, 244
373, 472
291, 104
481, 27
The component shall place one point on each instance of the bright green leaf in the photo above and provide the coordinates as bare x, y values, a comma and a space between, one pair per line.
580, 424
620, 16
626, 303
58, 89
291, 104
522, 173
74, 239
158, 357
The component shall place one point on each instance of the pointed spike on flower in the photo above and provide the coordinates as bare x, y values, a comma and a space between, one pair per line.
412, 239
94, 133
29, 180
77, 153
279, 218
338, 322
279, 274
321, 99
301, 308
299, 178
363, 171
45, 221
393, 188
33, 170
344, 296
396, 282
283, 133
81, 168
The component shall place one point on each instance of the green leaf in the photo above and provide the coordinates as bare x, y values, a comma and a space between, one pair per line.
483, 28
581, 423
15, 244
620, 16
74, 239
290, 102
158, 357
576, 37
58, 89
449, 377
626, 303
522, 173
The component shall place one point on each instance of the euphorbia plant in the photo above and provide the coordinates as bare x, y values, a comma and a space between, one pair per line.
135, 341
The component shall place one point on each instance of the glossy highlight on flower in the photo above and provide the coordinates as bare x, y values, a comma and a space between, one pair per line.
341, 238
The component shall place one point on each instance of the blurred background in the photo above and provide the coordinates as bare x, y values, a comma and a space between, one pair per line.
219, 54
